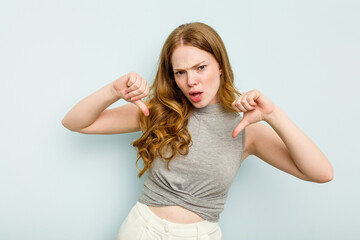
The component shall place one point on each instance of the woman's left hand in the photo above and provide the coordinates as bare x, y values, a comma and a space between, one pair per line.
255, 107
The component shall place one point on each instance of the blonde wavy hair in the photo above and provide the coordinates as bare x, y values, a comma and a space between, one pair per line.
166, 126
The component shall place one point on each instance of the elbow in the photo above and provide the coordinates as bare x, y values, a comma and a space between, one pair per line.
63, 122
326, 175
326, 178
68, 126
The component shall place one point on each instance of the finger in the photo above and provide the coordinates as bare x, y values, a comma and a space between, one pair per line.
126, 98
131, 79
236, 103
239, 106
239, 127
246, 105
252, 102
139, 97
135, 93
143, 107
144, 94
133, 83
139, 91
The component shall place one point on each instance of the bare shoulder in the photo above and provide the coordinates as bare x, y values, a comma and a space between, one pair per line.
123, 119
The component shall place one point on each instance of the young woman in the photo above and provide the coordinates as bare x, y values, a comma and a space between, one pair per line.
193, 137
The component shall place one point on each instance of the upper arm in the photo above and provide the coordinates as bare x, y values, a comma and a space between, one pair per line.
265, 143
122, 119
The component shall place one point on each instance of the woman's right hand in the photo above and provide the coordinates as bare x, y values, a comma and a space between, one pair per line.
132, 87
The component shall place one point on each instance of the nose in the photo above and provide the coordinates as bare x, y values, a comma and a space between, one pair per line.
191, 79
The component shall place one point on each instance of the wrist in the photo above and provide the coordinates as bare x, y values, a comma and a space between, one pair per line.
114, 93
273, 116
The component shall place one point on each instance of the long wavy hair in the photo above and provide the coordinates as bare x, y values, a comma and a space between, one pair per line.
165, 131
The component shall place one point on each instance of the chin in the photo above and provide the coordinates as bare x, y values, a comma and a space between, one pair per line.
200, 104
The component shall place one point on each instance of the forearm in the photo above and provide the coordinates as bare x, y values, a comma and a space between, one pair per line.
85, 112
306, 155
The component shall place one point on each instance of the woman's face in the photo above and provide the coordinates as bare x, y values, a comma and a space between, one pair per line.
197, 73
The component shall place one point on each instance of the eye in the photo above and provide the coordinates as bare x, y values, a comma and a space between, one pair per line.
202, 67
179, 73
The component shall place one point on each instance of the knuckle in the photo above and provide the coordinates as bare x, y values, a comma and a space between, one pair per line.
130, 75
135, 76
135, 92
135, 85
131, 80
139, 97
142, 88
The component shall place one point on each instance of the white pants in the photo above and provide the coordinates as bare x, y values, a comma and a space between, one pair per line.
143, 224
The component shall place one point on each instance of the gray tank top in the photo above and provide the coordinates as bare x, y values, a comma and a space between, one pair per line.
199, 181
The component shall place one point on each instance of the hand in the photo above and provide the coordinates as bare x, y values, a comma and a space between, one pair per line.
256, 107
132, 87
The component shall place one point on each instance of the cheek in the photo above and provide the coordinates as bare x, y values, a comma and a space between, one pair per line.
217, 85
180, 85
214, 80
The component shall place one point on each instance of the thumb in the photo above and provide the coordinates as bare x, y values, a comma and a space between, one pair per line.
142, 106
243, 123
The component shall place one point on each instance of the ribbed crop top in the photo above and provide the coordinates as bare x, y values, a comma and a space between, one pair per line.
199, 181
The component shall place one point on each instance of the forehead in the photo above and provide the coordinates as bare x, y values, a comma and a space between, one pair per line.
186, 56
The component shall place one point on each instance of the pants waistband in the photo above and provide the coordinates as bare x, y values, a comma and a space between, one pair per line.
162, 225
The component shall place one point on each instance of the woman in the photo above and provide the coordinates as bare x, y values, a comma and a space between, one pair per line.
194, 139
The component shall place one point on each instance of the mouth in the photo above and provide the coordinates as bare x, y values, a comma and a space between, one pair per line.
196, 96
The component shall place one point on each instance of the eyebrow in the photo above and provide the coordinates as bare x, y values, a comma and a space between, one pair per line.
175, 69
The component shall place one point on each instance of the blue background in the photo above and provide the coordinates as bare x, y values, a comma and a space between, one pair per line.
57, 184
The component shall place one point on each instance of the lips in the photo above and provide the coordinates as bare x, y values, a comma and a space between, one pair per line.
194, 92
195, 96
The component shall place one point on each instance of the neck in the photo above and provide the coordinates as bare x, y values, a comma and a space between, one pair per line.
212, 108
